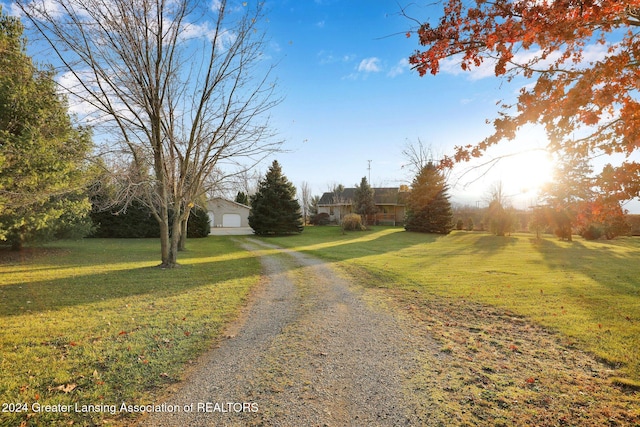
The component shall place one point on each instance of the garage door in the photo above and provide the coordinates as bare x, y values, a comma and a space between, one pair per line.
231, 220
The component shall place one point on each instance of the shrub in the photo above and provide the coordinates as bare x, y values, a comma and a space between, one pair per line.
470, 224
352, 222
198, 224
591, 232
459, 224
321, 219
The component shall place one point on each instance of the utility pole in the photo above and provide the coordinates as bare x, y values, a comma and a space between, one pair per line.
369, 171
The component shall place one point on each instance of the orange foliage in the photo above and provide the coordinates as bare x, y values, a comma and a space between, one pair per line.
585, 55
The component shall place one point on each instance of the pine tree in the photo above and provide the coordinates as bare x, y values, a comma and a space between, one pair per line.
363, 200
42, 171
242, 198
274, 207
428, 206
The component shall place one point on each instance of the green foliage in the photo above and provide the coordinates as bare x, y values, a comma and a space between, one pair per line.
42, 161
363, 200
470, 224
592, 232
500, 220
322, 218
352, 222
274, 207
198, 224
428, 206
136, 221
133, 221
242, 198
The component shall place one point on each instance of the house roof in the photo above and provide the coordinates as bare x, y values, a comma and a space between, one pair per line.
220, 199
382, 196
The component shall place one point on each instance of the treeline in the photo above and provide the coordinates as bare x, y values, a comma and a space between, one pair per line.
136, 221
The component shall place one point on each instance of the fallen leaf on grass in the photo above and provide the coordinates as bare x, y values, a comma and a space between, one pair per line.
67, 388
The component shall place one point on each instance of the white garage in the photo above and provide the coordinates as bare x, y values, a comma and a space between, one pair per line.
227, 214
231, 220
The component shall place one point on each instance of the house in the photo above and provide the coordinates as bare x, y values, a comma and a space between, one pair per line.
225, 213
389, 201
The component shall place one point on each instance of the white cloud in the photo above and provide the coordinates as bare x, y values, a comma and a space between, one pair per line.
320, 24
369, 65
216, 5
399, 68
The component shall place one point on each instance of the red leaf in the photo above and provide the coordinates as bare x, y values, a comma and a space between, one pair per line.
530, 380
122, 333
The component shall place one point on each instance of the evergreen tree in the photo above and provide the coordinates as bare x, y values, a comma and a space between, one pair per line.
42, 170
274, 207
363, 200
428, 206
242, 198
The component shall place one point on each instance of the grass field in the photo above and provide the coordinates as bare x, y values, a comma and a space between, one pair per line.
96, 323
587, 291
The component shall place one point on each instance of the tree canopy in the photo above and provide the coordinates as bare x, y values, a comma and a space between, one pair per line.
43, 170
274, 207
181, 88
583, 56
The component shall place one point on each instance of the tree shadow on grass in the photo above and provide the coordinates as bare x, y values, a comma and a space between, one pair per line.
100, 285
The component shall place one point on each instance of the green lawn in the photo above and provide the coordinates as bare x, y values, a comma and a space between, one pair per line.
587, 291
96, 323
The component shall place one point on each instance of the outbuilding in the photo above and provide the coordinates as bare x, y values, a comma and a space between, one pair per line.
227, 214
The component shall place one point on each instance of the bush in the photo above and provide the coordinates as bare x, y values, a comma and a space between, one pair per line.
352, 222
321, 219
592, 232
470, 224
198, 224
459, 224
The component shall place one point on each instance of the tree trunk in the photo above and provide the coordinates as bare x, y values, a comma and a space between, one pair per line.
174, 242
182, 244
165, 244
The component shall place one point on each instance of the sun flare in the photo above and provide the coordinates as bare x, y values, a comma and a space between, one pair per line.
526, 172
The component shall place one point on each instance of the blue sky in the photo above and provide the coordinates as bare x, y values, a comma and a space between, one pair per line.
350, 97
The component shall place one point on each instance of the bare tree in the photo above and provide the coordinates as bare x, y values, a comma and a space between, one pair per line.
417, 156
305, 200
181, 84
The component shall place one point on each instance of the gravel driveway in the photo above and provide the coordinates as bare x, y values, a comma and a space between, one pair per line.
309, 351
313, 349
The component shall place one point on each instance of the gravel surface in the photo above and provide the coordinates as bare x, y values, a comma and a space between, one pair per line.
314, 349
310, 351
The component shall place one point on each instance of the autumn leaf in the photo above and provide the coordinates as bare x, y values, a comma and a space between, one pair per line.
67, 388
548, 42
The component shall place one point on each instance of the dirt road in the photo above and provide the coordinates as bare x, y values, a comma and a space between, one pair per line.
315, 350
